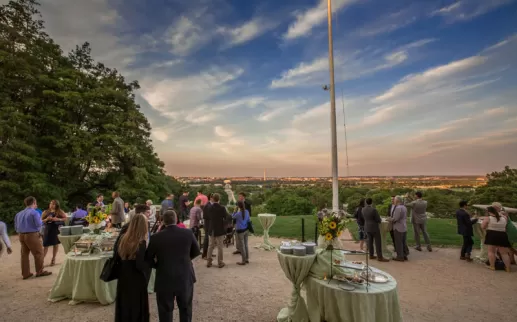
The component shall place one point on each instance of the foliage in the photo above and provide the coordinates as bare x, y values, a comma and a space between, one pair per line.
285, 203
331, 227
69, 126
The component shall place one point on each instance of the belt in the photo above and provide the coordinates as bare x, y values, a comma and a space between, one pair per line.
32, 232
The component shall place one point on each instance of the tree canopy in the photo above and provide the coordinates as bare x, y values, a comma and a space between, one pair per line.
69, 126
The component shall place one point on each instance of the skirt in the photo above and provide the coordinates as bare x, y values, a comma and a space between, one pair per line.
497, 238
362, 235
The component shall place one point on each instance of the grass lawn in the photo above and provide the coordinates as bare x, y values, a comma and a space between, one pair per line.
441, 231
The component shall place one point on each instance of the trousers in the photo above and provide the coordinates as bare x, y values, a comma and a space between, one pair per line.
242, 245
401, 244
466, 248
375, 238
165, 303
31, 243
213, 242
417, 228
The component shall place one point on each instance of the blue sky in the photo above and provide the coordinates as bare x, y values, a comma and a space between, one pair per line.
233, 87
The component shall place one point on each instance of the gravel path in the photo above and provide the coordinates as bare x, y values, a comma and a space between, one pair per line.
432, 287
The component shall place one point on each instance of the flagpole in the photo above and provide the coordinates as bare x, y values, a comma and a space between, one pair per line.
335, 182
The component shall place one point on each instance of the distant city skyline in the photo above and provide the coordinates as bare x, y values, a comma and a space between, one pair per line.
233, 87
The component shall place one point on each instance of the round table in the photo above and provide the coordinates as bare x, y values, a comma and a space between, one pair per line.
327, 302
266, 220
68, 241
78, 280
296, 269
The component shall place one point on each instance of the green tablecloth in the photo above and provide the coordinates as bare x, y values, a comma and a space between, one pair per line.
266, 220
327, 302
78, 280
150, 286
68, 241
296, 269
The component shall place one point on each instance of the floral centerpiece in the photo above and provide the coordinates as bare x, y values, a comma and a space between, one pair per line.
330, 228
96, 216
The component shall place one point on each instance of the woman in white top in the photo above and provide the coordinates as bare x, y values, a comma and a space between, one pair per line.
152, 217
496, 238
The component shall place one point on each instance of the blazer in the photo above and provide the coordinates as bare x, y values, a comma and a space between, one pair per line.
465, 223
371, 219
418, 215
117, 211
217, 218
247, 206
171, 252
399, 218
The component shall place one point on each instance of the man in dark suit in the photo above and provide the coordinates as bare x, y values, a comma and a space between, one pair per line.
217, 216
247, 206
171, 251
372, 222
465, 229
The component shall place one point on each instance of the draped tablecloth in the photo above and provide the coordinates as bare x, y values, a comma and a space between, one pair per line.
327, 302
150, 286
78, 280
266, 220
68, 241
296, 269
385, 231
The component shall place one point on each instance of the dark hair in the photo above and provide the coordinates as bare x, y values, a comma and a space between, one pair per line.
200, 191
29, 201
141, 208
100, 195
210, 195
242, 194
361, 203
493, 211
216, 197
116, 194
418, 194
241, 206
369, 201
463, 203
79, 206
170, 217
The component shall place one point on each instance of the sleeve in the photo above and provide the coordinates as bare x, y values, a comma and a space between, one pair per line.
377, 216
141, 263
37, 219
397, 214
150, 254
5, 237
194, 248
409, 204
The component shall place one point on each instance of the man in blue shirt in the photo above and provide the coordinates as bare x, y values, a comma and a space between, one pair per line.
78, 216
28, 224
167, 203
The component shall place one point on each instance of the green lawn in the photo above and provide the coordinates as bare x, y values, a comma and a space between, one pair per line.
441, 231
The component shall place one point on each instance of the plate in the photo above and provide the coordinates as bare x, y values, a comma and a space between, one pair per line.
347, 287
358, 267
353, 252
376, 277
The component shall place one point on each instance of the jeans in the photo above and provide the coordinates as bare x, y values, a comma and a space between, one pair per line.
242, 245
466, 248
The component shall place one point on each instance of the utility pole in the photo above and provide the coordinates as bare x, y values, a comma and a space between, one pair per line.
335, 181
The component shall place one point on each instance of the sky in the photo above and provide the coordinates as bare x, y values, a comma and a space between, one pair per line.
235, 87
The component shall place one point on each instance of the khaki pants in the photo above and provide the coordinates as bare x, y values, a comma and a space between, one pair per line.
212, 243
31, 243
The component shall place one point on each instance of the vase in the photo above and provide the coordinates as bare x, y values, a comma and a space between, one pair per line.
95, 228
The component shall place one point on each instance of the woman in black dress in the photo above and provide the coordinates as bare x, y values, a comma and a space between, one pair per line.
132, 303
52, 218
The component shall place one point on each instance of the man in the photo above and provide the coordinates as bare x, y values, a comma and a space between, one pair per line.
419, 220
28, 224
400, 230
78, 216
465, 229
171, 251
217, 216
390, 214
202, 197
184, 203
247, 206
372, 220
5, 238
100, 200
206, 224
117, 210
167, 203
195, 217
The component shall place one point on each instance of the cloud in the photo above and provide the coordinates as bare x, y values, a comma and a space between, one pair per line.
313, 17
465, 10
186, 36
274, 108
222, 132
247, 31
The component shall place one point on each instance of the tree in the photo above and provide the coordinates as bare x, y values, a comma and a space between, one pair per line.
500, 187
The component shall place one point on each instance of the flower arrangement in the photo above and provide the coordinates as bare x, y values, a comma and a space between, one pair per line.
96, 215
331, 227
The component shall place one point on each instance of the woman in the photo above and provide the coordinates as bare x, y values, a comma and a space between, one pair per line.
360, 222
496, 238
152, 216
242, 218
126, 208
132, 304
52, 218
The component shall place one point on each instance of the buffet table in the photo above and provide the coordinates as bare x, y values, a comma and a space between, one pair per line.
68, 241
327, 302
78, 280
266, 220
296, 269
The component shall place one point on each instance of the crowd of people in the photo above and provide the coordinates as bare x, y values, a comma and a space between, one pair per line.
496, 223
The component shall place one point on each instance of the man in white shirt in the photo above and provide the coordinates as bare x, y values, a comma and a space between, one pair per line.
5, 238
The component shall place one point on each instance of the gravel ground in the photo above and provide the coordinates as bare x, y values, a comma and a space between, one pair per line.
432, 287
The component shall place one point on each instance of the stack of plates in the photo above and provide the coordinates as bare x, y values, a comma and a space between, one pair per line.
288, 250
65, 230
299, 250
76, 230
311, 247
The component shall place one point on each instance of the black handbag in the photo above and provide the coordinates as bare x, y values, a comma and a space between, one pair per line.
110, 271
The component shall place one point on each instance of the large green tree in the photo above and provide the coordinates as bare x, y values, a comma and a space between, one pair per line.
69, 126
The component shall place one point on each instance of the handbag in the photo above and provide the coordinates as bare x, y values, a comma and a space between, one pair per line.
110, 271
250, 227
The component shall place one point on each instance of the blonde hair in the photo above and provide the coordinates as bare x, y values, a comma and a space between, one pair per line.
137, 232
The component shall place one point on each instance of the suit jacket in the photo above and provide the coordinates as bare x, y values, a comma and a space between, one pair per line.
464, 223
390, 208
171, 251
117, 211
418, 215
371, 219
217, 218
247, 206
399, 218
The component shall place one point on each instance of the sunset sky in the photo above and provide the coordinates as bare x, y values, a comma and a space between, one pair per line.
233, 87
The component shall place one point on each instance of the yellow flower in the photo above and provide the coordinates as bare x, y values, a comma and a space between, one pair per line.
328, 236
96, 220
339, 233
333, 225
